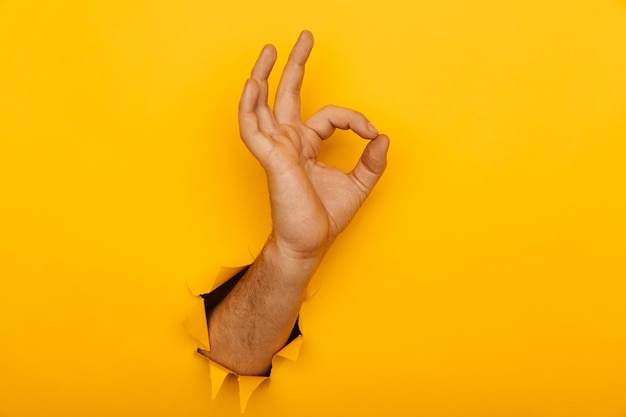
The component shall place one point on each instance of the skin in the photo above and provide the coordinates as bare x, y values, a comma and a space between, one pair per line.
311, 204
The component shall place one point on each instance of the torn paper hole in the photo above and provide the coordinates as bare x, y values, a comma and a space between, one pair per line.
196, 326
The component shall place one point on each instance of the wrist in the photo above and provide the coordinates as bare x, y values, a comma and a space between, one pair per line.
293, 263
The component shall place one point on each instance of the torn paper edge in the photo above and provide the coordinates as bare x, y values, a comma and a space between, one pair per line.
196, 326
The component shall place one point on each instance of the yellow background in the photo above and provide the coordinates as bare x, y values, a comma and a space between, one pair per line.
484, 277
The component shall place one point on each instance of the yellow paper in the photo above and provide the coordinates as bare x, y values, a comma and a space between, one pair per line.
195, 324
485, 273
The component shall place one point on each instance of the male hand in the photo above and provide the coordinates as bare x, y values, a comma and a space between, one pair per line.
311, 202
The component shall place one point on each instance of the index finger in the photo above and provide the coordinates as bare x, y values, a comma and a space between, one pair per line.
329, 118
287, 103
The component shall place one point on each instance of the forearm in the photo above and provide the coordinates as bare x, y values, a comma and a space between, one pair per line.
311, 204
254, 321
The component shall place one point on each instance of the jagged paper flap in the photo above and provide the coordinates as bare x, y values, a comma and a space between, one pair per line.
247, 385
292, 350
195, 323
218, 375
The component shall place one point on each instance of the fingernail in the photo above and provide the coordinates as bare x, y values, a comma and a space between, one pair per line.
372, 128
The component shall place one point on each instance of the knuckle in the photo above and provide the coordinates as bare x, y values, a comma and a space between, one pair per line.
358, 114
327, 108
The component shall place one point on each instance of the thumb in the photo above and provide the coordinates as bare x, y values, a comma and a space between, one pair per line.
372, 163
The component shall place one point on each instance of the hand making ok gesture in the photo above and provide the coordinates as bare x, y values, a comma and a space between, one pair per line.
311, 202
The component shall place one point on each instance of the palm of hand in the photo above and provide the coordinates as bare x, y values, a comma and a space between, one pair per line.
311, 202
